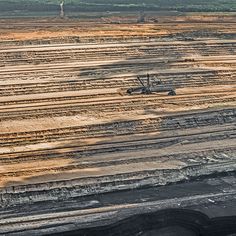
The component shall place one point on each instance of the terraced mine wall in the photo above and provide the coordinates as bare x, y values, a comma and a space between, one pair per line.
72, 139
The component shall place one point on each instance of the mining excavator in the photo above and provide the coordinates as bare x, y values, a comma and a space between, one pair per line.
151, 86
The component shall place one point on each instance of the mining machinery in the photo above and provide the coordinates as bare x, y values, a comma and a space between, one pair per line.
149, 86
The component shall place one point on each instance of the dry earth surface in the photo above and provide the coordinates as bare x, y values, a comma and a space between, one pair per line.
68, 129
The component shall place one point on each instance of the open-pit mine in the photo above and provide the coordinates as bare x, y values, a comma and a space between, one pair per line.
79, 155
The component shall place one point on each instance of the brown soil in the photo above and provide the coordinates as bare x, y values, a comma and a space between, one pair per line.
68, 127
